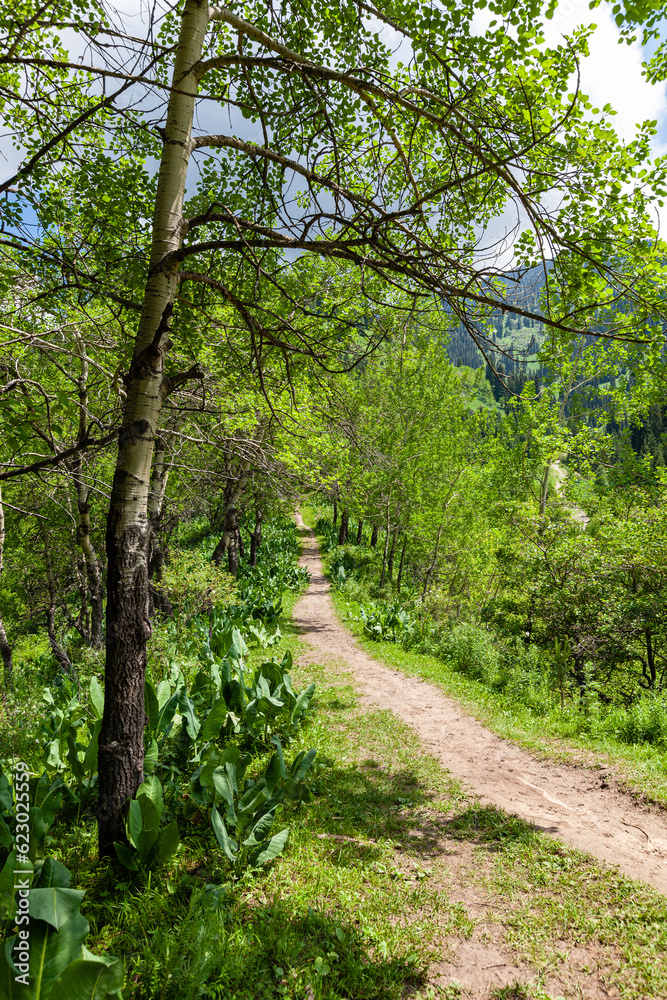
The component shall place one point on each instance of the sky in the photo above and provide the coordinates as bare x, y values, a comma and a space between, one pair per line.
611, 74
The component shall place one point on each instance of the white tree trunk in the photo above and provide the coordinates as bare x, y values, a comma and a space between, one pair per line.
121, 751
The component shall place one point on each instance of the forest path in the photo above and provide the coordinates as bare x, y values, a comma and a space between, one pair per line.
579, 805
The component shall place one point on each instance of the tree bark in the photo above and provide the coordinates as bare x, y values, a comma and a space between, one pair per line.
256, 538
240, 544
344, 524
156, 554
61, 656
433, 562
5, 648
360, 531
93, 572
228, 544
401, 564
121, 750
374, 537
390, 563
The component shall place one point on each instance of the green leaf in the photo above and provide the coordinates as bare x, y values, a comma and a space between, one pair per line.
279, 756
224, 788
163, 693
96, 696
152, 789
302, 764
6, 838
89, 979
52, 873
52, 801
151, 707
255, 795
228, 845
90, 760
302, 702
238, 648
125, 856
8, 882
55, 905
143, 822
6, 796
51, 951
274, 772
215, 720
187, 709
275, 847
10, 989
151, 757
260, 831
168, 841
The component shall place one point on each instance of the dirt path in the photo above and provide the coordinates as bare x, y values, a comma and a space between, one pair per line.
578, 805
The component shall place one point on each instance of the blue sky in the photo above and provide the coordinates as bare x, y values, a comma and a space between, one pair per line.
611, 74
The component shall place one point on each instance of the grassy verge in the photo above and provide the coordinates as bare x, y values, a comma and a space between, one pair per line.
552, 735
394, 885
390, 847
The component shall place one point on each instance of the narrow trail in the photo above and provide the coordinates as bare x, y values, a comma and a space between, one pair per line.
579, 805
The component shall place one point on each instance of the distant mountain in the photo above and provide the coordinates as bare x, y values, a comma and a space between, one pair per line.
516, 336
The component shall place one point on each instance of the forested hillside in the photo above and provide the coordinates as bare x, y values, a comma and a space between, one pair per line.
388, 270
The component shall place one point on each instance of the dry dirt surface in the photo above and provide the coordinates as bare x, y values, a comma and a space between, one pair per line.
581, 806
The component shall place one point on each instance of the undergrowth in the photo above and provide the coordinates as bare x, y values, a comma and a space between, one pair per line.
512, 688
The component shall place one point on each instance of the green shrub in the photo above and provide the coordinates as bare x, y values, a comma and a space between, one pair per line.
470, 650
644, 722
194, 584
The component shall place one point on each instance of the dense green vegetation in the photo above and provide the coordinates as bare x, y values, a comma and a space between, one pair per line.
225, 755
323, 303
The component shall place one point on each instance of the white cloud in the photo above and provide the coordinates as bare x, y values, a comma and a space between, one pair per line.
612, 73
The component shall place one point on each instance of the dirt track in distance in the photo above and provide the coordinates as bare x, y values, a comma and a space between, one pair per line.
582, 806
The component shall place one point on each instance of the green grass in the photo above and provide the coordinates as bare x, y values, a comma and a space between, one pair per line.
365, 900
368, 899
379, 788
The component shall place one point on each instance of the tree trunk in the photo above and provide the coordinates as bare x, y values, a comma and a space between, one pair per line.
360, 531
650, 657
433, 562
401, 564
390, 564
5, 648
61, 656
228, 544
121, 750
374, 537
158, 600
93, 572
256, 538
240, 544
233, 549
344, 523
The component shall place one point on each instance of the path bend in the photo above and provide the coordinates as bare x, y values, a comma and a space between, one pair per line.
576, 804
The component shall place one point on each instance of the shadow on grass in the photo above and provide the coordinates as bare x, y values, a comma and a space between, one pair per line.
366, 802
247, 952
490, 826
